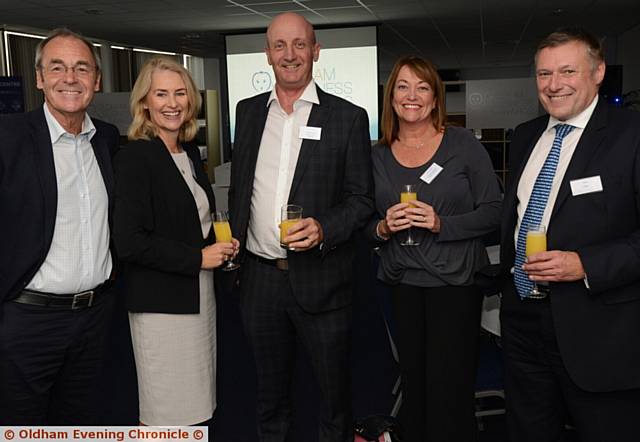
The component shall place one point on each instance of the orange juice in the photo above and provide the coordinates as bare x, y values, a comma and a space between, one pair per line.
285, 225
222, 231
536, 243
406, 197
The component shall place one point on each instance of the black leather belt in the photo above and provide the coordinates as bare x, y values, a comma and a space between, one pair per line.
74, 301
280, 263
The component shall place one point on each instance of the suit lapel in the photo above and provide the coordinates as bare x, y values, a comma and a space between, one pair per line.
317, 118
511, 196
102, 154
46, 169
256, 122
589, 143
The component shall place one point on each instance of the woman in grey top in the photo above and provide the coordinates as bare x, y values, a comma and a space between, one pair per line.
436, 305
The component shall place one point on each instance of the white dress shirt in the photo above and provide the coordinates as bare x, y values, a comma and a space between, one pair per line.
539, 155
276, 165
79, 258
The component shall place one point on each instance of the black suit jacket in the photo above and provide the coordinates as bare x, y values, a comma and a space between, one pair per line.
157, 228
332, 182
29, 196
598, 329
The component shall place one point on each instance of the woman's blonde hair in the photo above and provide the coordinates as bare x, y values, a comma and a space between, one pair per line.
141, 127
426, 71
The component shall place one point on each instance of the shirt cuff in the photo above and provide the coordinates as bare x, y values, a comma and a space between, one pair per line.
586, 282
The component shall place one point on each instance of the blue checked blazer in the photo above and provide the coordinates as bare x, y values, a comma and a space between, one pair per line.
598, 329
332, 181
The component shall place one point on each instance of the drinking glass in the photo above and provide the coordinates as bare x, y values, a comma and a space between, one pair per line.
409, 193
289, 215
222, 230
536, 243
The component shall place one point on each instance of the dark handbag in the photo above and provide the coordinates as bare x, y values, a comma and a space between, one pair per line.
378, 428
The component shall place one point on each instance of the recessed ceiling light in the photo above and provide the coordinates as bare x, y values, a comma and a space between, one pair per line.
558, 11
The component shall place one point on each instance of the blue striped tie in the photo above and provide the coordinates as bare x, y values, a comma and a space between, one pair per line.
535, 208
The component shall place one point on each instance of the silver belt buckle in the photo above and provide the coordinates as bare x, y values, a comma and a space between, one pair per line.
81, 297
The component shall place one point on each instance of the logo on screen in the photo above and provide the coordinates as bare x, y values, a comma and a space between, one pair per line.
261, 81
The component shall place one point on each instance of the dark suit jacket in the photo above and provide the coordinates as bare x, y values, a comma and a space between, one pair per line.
598, 330
157, 228
333, 184
29, 196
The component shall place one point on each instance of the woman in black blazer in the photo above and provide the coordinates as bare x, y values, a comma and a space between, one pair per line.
163, 235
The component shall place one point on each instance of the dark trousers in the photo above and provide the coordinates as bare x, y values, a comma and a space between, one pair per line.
540, 394
272, 322
437, 342
50, 362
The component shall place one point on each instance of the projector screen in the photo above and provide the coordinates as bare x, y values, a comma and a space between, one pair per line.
347, 67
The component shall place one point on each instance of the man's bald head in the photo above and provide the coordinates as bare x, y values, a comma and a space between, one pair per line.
291, 51
287, 19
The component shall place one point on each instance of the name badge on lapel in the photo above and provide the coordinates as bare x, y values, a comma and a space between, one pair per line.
431, 173
586, 185
310, 132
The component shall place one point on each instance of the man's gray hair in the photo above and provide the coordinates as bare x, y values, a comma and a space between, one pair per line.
566, 35
64, 32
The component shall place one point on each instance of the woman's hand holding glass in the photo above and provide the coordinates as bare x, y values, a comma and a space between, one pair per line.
215, 255
401, 216
424, 216
395, 219
225, 248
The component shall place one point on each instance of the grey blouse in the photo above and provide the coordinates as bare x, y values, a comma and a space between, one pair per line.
465, 195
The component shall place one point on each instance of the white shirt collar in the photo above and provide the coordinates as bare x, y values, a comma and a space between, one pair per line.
310, 94
580, 121
56, 130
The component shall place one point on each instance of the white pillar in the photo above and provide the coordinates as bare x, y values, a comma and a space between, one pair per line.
107, 66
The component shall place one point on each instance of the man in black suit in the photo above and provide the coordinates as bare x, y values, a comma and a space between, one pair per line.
55, 192
299, 145
573, 350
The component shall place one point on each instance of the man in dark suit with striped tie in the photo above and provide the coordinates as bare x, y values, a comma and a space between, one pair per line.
572, 350
299, 145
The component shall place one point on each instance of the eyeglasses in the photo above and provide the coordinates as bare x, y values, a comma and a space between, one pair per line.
80, 69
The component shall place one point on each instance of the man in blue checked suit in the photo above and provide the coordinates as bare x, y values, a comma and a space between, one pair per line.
572, 353
299, 145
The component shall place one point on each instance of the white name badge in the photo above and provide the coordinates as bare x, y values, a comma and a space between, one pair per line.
431, 173
586, 185
310, 133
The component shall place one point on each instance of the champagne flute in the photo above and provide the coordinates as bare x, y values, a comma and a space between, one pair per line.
222, 230
289, 215
536, 243
409, 193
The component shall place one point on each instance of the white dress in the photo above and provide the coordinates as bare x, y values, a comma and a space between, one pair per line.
175, 354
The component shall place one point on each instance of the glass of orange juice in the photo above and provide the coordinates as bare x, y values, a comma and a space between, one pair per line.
290, 215
222, 230
536, 243
408, 193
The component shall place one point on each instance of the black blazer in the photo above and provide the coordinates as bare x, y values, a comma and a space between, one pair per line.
157, 228
29, 195
332, 182
598, 330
